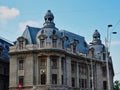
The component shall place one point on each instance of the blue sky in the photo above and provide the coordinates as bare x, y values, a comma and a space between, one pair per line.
78, 16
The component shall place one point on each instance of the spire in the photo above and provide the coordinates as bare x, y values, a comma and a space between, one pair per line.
96, 37
49, 19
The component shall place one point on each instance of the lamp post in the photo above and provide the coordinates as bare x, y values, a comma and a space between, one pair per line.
107, 57
107, 43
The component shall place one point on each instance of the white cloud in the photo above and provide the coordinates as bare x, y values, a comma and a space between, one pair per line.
8, 13
115, 43
22, 25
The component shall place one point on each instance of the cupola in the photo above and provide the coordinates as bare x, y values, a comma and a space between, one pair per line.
49, 20
96, 34
96, 37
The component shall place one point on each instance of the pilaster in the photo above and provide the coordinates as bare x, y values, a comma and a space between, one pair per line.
60, 72
77, 78
68, 70
48, 70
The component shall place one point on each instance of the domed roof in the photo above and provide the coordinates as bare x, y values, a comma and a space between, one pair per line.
96, 34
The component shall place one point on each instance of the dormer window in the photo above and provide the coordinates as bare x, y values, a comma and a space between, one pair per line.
42, 43
74, 48
42, 39
74, 45
54, 43
21, 42
54, 38
62, 41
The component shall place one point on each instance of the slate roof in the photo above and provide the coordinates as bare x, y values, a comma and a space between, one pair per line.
4, 43
30, 34
82, 46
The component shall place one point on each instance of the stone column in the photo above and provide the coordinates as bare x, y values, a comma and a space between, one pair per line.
37, 71
60, 72
48, 71
99, 77
88, 76
64, 72
77, 78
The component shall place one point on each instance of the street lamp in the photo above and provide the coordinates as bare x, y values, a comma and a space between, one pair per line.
107, 57
107, 43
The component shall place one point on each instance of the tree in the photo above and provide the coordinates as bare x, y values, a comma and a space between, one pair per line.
116, 85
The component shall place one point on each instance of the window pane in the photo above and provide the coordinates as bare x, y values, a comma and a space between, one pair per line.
54, 78
42, 43
21, 79
20, 44
73, 82
54, 43
43, 62
21, 66
54, 63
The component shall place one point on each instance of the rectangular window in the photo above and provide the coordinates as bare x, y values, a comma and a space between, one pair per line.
43, 62
42, 43
21, 80
54, 78
105, 85
104, 72
20, 44
62, 44
21, 64
73, 67
74, 49
54, 43
54, 63
73, 82
43, 79
62, 63
83, 83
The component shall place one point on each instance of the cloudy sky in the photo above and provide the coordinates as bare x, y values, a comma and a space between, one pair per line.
82, 17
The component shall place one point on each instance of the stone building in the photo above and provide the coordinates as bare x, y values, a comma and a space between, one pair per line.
51, 59
4, 64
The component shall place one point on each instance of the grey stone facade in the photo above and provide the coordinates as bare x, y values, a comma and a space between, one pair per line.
51, 59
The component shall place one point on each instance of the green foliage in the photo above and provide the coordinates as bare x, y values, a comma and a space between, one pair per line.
116, 85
